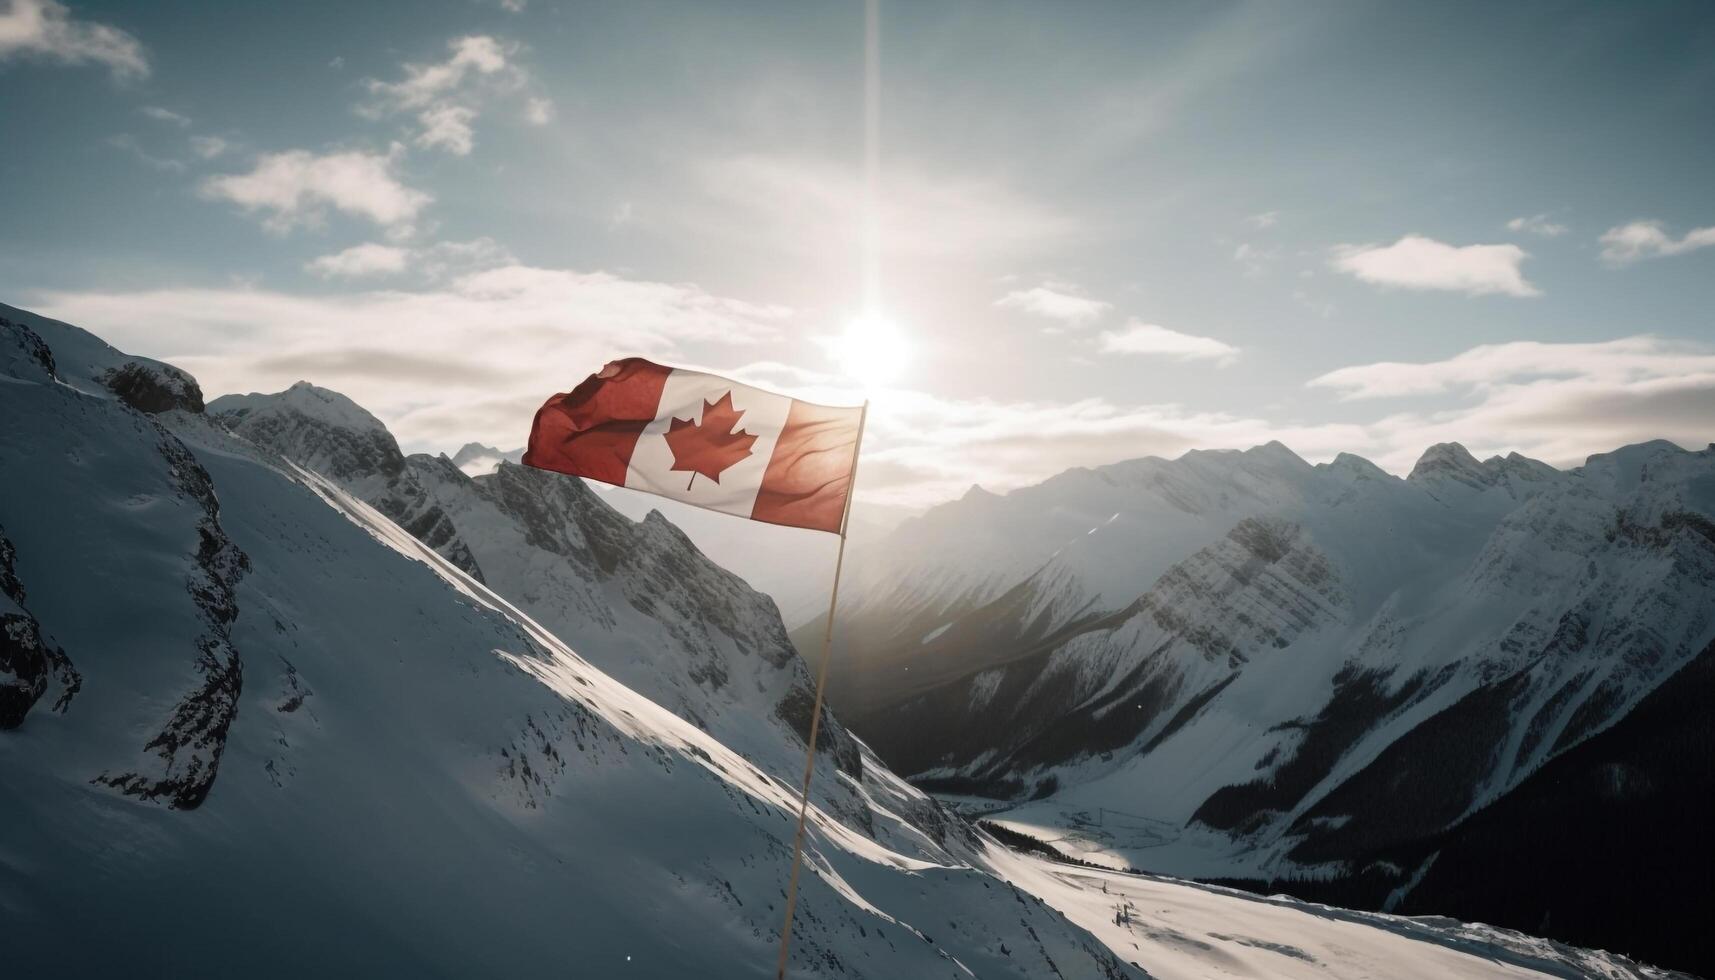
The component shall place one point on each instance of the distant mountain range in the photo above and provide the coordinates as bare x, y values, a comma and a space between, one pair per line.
1239, 665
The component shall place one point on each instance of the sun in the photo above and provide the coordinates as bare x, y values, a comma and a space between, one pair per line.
874, 351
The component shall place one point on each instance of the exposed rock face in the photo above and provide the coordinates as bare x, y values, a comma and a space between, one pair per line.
188, 747
23, 354
153, 388
28, 660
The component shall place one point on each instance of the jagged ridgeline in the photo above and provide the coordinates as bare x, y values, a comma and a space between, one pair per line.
252, 726
1277, 671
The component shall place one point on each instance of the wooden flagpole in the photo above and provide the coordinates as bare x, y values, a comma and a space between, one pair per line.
816, 712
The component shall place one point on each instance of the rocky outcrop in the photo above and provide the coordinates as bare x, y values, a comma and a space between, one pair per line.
152, 388
188, 746
29, 661
23, 353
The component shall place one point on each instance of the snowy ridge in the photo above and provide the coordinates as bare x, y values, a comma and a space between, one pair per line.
411, 773
1248, 650
636, 597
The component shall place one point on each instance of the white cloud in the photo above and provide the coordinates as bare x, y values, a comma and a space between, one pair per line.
424, 84
445, 95
447, 127
167, 116
1153, 339
1056, 301
1416, 262
1628, 243
208, 147
369, 259
296, 188
45, 29
1263, 219
470, 360
1556, 402
1538, 224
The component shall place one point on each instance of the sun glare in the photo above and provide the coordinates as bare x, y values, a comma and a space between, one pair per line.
874, 351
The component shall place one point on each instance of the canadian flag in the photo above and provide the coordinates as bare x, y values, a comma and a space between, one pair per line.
704, 440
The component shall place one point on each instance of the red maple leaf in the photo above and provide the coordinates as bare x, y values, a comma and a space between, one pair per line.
710, 446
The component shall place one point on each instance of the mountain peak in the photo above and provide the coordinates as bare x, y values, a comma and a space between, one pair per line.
471, 449
1276, 450
1449, 461
476, 458
1356, 467
303, 398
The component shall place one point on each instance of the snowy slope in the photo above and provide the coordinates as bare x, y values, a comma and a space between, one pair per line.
1264, 665
634, 597
305, 742
1185, 931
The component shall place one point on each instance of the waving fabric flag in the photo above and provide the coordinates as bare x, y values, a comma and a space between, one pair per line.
704, 440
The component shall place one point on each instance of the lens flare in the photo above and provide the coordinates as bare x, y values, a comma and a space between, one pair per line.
874, 351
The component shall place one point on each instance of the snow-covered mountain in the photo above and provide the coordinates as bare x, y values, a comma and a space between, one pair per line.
258, 729
476, 459
1237, 664
636, 598
254, 726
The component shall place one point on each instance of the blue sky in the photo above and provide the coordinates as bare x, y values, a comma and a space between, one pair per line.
1106, 230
